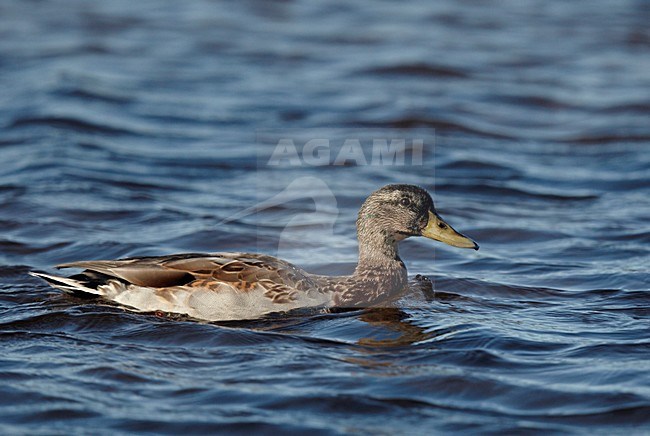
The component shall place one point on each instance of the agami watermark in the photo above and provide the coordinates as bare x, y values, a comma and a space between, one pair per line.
347, 151
295, 165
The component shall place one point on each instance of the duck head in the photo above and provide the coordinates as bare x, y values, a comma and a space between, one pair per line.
396, 212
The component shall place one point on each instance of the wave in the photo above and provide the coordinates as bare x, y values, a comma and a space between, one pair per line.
416, 70
71, 123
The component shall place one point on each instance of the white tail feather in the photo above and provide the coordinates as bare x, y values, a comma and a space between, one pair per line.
65, 283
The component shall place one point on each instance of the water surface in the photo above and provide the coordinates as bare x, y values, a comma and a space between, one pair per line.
133, 128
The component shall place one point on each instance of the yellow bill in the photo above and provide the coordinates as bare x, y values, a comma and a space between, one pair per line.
438, 230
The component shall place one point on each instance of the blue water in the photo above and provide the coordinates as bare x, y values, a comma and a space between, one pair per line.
146, 128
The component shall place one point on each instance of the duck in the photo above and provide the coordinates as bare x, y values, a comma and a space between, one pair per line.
227, 286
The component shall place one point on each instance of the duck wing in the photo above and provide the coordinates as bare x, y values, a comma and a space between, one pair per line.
239, 271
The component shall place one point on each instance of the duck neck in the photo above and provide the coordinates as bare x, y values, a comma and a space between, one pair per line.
377, 250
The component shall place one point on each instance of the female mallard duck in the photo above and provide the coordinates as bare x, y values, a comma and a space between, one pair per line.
230, 286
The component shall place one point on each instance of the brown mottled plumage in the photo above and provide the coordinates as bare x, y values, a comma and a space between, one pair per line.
227, 286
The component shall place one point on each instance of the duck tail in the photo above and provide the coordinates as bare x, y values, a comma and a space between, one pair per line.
67, 284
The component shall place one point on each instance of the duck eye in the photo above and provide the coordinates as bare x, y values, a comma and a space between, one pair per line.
405, 202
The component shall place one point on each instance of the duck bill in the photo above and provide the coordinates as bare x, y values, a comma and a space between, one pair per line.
438, 230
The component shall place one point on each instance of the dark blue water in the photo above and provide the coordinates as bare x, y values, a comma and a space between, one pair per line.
142, 127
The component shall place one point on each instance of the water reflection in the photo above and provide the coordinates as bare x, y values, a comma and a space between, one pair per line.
393, 328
